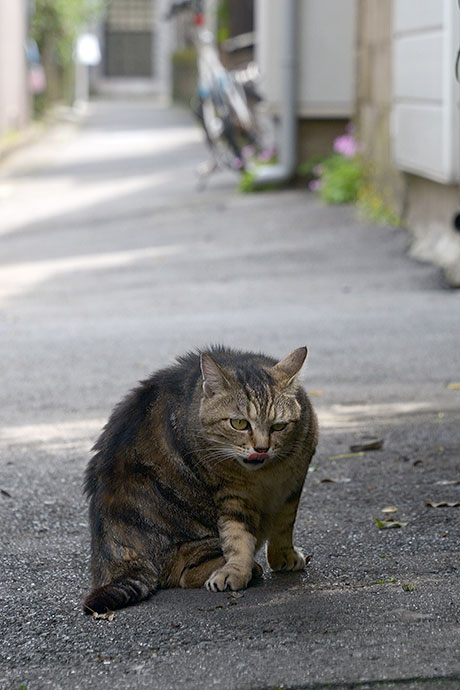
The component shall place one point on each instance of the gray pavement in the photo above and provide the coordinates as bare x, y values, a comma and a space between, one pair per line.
111, 263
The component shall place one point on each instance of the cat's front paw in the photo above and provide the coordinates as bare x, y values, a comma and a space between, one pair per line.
227, 577
286, 559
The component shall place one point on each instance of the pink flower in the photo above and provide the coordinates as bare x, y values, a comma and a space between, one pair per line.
315, 185
266, 155
237, 164
346, 145
248, 151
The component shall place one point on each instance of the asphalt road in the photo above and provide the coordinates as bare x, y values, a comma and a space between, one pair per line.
111, 263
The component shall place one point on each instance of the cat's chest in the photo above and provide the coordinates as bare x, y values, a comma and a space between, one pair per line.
271, 490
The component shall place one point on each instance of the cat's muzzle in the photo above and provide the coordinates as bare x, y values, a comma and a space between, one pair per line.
256, 458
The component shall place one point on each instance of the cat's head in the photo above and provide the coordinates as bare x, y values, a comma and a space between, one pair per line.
250, 414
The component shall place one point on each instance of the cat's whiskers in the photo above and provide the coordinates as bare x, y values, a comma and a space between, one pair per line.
214, 454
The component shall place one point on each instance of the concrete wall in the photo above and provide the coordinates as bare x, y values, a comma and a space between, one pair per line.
430, 210
316, 136
14, 106
374, 98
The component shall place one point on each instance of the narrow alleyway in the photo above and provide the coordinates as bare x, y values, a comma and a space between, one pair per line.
111, 264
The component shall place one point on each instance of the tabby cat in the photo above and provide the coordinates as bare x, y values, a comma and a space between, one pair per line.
195, 470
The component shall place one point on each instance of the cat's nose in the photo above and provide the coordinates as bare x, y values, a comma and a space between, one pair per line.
261, 450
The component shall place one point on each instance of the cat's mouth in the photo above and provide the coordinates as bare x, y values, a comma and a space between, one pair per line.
256, 458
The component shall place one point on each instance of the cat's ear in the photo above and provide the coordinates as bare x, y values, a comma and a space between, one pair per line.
215, 380
287, 369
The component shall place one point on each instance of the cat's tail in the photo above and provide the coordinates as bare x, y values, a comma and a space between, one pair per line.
123, 591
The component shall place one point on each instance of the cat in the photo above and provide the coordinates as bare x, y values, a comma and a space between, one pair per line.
195, 470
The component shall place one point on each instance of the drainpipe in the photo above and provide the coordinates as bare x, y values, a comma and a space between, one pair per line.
285, 168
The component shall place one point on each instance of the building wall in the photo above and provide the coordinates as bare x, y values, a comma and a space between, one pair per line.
426, 116
326, 55
14, 107
426, 206
374, 99
326, 37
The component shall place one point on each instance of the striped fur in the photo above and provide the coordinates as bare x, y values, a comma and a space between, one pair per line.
175, 499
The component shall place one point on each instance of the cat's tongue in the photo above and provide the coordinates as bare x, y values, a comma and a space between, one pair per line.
258, 457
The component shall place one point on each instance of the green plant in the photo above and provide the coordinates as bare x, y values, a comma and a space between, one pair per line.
341, 178
373, 207
59, 22
306, 170
345, 177
247, 184
55, 26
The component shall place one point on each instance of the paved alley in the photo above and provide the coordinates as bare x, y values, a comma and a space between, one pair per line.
111, 264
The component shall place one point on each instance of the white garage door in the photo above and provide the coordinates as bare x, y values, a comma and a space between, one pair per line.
425, 118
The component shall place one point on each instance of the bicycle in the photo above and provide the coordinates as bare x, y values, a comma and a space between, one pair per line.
224, 102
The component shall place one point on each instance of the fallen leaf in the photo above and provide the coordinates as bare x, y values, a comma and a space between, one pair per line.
383, 582
390, 509
387, 524
454, 386
374, 444
5, 493
443, 504
342, 456
446, 482
236, 595
109, 616
408, 587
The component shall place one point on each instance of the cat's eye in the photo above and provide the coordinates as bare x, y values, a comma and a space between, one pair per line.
239, 424
279, 426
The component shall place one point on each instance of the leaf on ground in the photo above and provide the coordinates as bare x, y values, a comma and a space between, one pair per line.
443, 504
446, 482
453, 386
388, 580
408, 587
342, 456
389, 509
373, 444
388, 524
5, 493
109, 616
